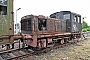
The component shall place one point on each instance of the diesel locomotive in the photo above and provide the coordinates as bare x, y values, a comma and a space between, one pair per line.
59, 28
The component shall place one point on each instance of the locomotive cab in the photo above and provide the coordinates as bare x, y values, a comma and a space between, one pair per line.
73, 20
33, 24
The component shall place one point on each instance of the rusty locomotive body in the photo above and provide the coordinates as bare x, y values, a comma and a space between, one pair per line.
46, 32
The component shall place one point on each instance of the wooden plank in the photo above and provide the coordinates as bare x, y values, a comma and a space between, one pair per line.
12, 55
22, 52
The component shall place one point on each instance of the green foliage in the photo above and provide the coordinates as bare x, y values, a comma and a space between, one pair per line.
84, 25
86, 29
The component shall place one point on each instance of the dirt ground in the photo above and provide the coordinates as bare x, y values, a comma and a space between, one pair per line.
79, 51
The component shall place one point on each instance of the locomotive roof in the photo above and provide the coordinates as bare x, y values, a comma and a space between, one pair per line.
40, 16
68, 12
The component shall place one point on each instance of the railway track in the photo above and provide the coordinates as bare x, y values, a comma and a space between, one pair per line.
16, 54
27, 54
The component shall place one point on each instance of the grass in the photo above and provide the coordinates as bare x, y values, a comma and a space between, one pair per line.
78, 52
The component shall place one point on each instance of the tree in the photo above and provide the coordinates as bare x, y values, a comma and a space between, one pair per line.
84, 25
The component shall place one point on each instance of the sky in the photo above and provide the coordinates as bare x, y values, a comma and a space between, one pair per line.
47, 7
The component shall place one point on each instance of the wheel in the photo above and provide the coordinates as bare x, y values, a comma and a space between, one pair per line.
62, 41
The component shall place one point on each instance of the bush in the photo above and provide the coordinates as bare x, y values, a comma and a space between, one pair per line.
88, 29
84, 30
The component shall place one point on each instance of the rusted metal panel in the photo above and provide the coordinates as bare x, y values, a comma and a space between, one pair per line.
58, 26
70, 17
5, 40
41, 25
63, 25
32, 42
41, 16
50, 25
27, 24
75, 27
35, 24
49, 40
79, 26
42, 43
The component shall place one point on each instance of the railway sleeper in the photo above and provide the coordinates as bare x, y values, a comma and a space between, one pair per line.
15, 55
